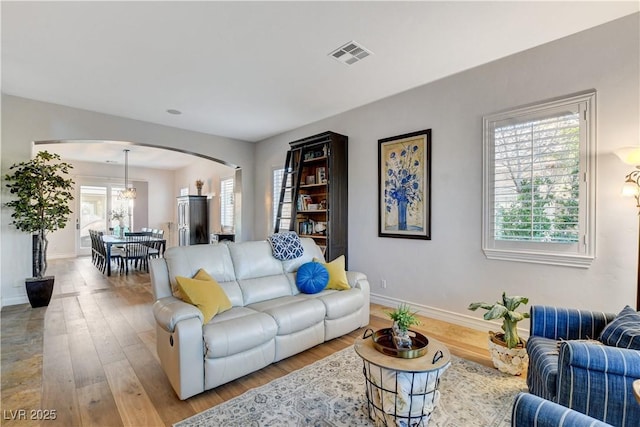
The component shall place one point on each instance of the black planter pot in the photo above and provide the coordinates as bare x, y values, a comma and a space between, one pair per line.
39, 290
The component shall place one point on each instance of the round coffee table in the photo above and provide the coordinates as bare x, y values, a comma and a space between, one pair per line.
402, 390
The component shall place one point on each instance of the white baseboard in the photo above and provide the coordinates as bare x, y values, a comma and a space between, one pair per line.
19, 299
446, 316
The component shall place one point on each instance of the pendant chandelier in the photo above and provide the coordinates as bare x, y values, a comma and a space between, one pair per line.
129, 193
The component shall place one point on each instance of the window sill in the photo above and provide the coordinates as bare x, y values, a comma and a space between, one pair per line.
566, 260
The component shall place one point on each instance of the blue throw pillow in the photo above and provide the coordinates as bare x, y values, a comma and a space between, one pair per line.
623, 331
286, 246
312, 278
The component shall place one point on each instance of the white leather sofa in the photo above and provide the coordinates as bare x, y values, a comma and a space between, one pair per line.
270, 319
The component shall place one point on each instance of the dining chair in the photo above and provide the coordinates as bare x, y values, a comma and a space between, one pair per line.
137, 250
101, 253
94, 254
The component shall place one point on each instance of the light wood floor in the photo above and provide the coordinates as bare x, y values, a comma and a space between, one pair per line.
90, 355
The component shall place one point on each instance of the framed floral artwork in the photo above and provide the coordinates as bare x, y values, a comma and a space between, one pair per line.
404, 186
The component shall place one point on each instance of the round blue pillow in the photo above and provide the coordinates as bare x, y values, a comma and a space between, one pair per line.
312, 277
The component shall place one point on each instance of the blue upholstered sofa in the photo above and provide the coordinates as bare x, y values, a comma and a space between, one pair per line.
530, 410
568, 366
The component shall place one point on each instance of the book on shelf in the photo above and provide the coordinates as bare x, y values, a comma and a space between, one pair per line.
321, 175
306, 227
304, 200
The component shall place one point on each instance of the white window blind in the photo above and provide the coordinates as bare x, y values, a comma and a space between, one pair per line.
226, 202
538, 197
536, 179
285, 220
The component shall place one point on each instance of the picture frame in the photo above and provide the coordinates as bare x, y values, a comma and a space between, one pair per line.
404, 186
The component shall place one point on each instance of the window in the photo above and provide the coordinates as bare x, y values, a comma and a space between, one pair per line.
285, 220
226, 202
538, 189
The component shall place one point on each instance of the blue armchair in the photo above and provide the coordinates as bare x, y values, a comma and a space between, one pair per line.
567, 368
531, 410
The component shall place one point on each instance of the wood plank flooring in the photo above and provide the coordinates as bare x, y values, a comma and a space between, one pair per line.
90, 355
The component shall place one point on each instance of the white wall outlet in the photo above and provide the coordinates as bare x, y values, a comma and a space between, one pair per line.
383, 284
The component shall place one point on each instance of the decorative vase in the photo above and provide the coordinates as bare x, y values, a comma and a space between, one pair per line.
121, 226
511, 361
39, 291
402, 214
401, 339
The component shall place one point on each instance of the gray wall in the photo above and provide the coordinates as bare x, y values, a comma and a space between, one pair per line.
25, 121
441, 276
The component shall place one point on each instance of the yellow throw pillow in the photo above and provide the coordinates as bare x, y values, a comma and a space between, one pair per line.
337, 274
207, 295
203, 275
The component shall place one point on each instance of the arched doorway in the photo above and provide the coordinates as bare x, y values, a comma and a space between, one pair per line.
160, 174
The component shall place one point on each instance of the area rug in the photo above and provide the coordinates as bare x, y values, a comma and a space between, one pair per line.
331, 392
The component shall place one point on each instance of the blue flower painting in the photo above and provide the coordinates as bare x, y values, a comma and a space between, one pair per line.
403, 180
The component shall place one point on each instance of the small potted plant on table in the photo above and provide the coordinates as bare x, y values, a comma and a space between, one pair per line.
402, 318
508, 350
42, 194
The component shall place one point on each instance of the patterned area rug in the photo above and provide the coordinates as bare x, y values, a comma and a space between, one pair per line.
331, 392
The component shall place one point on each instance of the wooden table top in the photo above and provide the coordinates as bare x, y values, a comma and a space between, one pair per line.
366, 349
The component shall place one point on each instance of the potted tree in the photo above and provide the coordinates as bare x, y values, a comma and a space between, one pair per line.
508, 350
42, 193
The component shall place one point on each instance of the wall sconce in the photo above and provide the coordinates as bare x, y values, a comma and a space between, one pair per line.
631, 188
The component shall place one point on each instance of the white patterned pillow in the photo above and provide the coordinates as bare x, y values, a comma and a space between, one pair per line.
286, 246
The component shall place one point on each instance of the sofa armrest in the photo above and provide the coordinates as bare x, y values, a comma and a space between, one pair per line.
598, 380
357, 280
567, 323
171, 310
531, 410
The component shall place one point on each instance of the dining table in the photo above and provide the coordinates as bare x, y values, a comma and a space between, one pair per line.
110, 240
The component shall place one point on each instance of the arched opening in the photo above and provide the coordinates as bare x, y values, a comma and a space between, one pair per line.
160, 174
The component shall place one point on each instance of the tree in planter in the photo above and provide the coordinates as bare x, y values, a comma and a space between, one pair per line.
42, 194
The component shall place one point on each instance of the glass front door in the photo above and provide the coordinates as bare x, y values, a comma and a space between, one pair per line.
93, 214
102, 210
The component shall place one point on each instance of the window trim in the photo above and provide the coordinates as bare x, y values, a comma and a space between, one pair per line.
535, 252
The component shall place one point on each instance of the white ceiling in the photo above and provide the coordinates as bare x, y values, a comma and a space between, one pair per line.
250, 70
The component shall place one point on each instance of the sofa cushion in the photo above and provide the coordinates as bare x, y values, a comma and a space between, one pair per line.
237, 330
340, 304
264, 288
292, 314
312, 277
623, 331
254, 259
337, 274
311, 251
207, 295
543, 355
185, 261
285, 246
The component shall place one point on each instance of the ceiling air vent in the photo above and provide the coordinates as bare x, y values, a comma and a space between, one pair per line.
350, 53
